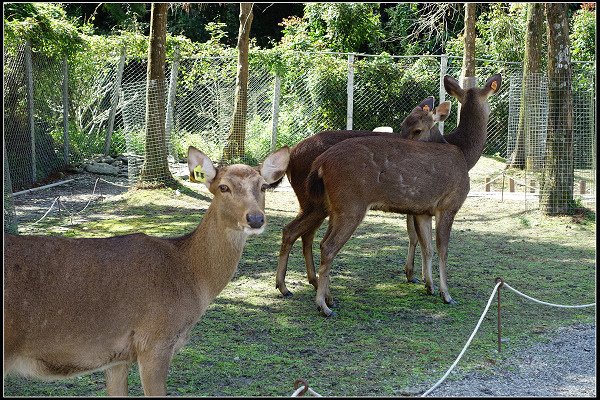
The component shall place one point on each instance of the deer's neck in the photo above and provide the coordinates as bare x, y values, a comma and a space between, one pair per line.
471, 133
214, 252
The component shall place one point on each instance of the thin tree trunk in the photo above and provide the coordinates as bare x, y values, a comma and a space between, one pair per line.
468, 66
467, 76
529, 110
156, 166
556, 193
237, 134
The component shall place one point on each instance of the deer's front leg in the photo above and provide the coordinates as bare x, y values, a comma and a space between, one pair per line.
423, 228
413, 239
116, 380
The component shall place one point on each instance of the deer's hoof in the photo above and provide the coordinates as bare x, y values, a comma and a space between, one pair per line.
288, 294
326, 312
430, 290
447, 299
413, 280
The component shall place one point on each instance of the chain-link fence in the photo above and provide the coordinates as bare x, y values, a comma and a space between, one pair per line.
542, 133
58, 114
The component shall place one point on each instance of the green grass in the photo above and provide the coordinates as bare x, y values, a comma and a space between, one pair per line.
389, 337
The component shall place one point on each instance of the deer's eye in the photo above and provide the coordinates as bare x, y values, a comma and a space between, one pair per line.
224, 188
264, 187
417, 132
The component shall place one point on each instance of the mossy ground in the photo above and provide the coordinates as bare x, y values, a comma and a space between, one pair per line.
389, 336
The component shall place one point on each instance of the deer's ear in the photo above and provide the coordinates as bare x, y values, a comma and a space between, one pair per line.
453, 88
201, 167
427, 104
492, 85
275, 165
442, 111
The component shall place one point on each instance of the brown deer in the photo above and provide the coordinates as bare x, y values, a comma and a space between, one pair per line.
416, 126
73, 306
419, 178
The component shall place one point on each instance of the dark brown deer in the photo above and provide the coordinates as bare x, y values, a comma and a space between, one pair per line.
73, 306
418, 125
394, 174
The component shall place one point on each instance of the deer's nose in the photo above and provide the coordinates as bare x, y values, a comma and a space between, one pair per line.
255, 220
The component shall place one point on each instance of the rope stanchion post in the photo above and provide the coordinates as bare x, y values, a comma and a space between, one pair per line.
301, 386
499, 280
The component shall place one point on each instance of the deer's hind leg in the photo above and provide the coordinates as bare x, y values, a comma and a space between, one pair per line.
341, 227
305, 224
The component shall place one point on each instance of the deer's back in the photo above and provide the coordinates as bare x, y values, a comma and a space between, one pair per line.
83, 303
305, 152
394, 174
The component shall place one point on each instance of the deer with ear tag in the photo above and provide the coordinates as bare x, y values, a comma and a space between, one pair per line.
73, 306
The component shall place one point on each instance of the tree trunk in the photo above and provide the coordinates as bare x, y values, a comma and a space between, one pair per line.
467, 76
556, 192
156, 166
237, 134
529, 112
468, 67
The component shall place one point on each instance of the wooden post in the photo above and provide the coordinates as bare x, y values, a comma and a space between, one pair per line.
487, 184
532, 186
350, 91
443, 71
171, 95
65, 101
275, 112
29, 73
511, 185
582, 187
115, 103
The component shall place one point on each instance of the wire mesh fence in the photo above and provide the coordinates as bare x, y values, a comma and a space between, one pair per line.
570, 143
102, 108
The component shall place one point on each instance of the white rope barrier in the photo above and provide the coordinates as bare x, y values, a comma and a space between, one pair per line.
64, 206
115, 184
545, 303
302, 387
44, 216
438, 383
309, 390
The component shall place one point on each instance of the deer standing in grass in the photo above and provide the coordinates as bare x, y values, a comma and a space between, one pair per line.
73, 306
419, 178
418, 125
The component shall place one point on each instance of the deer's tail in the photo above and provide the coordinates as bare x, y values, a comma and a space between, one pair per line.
314, 183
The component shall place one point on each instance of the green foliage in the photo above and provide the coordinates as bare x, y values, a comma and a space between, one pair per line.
47, 27
343, 27
500, 33
583, 35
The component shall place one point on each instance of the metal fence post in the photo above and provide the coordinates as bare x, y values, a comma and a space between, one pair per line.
275, 112
171, 96
65, 101
115, 103
350, 90
443, 71
29, 72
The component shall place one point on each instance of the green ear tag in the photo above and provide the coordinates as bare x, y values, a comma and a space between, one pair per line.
199, 174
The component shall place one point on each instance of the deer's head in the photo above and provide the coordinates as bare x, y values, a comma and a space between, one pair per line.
239, 190
474, 99
417, 125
